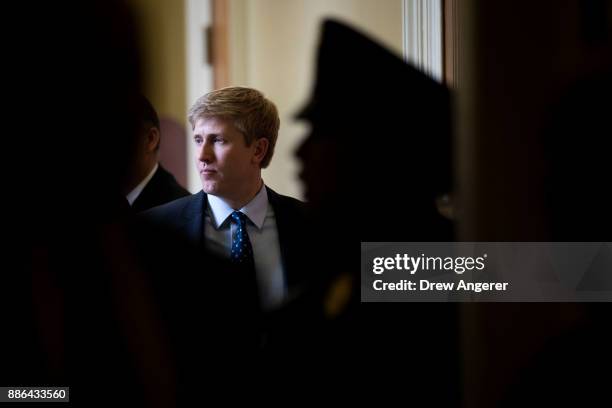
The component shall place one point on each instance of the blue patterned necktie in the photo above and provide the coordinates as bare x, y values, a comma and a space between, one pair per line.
242, 251
242, 257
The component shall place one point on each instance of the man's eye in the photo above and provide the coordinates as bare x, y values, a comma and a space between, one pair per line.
219, 140
198, 140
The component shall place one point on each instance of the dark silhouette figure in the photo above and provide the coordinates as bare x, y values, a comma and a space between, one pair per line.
116, 309
377, 156
65, 176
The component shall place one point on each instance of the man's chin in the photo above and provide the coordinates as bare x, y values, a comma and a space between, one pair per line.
210, 188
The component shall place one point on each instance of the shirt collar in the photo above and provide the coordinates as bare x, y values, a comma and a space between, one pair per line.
133, 195
255, 210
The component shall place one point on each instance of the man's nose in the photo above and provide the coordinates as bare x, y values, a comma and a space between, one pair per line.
206, 153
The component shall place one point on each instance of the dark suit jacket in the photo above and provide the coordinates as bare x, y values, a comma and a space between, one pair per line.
161, 189
185, 217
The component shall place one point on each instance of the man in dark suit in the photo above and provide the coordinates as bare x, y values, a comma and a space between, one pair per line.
235, 215
149, 184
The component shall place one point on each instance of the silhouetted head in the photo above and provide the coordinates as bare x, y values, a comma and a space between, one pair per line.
380, 133
149, 121
146, 146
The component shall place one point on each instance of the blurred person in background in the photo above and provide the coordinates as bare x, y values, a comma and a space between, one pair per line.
148, 184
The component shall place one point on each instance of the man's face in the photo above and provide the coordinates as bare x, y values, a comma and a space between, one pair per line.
227, 166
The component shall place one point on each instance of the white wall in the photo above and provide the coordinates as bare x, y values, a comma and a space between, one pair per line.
272, 48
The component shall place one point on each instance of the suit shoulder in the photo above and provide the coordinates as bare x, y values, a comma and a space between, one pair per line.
169, 182
283, 202
169, 210
292, 201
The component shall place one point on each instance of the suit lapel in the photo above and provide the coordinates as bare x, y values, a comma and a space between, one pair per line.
287, 238
192, 218
192, 225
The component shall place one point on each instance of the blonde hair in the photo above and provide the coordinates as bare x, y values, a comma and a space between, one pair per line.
250, 112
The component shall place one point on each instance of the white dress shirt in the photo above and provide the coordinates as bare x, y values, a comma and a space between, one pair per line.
263, 234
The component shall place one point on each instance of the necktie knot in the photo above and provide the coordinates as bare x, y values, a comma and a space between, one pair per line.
239, 218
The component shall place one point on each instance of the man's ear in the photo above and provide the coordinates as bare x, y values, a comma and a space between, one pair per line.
152, 138
261, 149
